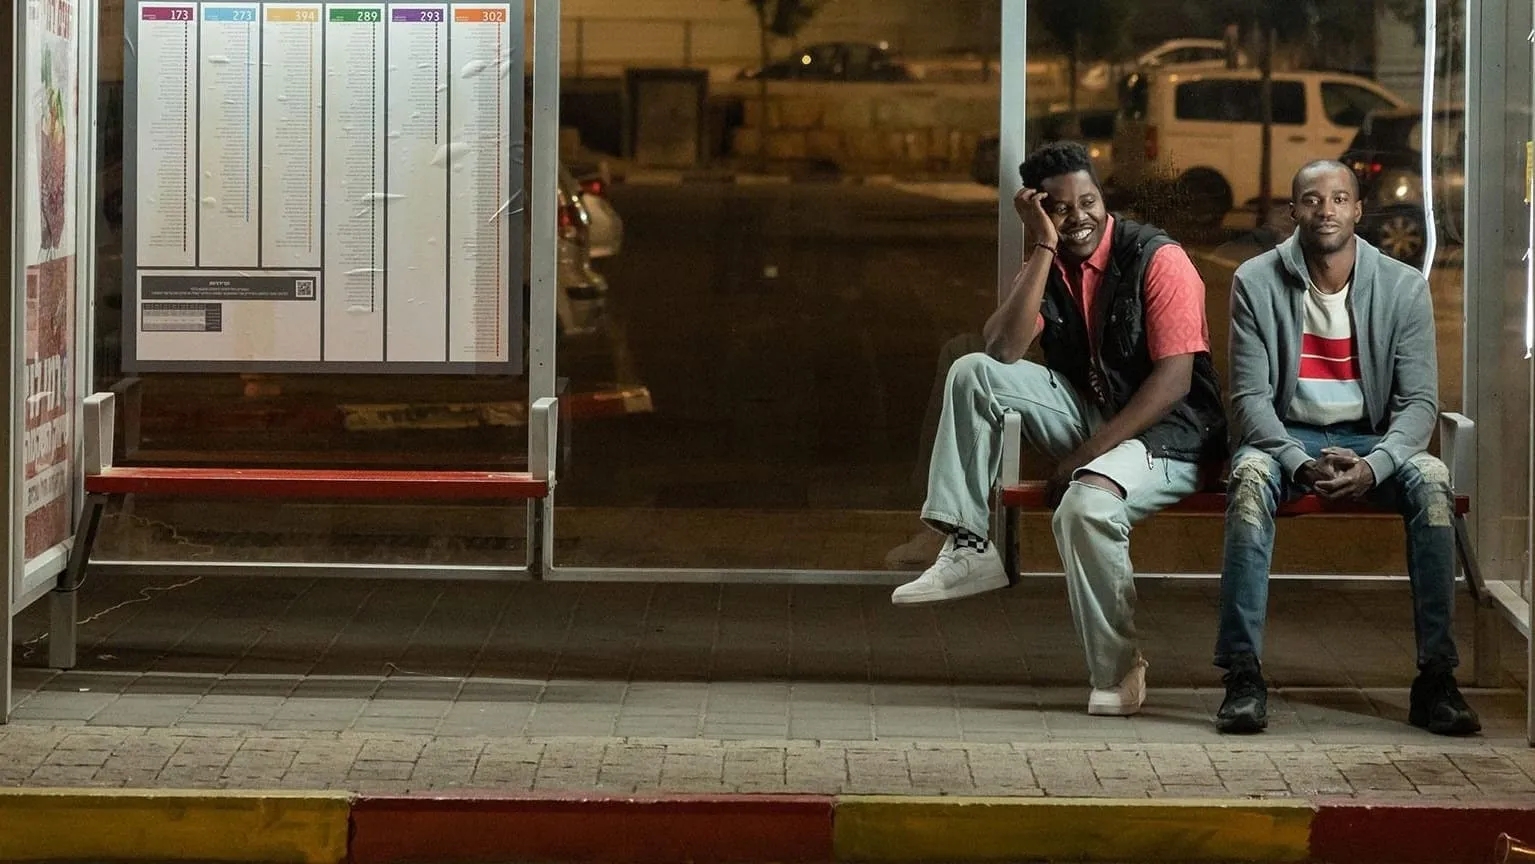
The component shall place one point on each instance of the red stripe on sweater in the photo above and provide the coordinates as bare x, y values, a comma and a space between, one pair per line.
1316, 368
1332, 349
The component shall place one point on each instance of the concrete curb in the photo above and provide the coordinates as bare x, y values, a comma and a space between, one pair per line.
335, 827
597, 829
124, 825
1064, 829
1360, 832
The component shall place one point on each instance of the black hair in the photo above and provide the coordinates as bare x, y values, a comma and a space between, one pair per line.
1053, 160
1318, 164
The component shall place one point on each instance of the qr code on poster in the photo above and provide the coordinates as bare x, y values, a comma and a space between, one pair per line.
303, 289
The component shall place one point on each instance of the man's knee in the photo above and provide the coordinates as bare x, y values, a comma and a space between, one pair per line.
1425, 482
1091, 498
1099, 481
1250, 491
968, 371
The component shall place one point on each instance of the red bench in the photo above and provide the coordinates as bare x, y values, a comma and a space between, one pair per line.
105, 481
1015, 497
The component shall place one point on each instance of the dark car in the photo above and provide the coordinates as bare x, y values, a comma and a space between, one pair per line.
1094, 128
1386, 156
834, 61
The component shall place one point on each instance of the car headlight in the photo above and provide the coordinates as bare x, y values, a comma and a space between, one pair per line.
1399, 187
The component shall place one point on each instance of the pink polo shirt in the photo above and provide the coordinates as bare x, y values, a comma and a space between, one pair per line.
1175, 297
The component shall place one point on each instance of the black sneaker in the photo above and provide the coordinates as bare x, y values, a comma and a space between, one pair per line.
1437, 704
1246, 709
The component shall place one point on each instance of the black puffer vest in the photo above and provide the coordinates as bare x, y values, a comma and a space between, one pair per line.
1195, 429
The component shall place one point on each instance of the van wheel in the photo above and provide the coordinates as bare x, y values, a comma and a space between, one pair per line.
1205, 197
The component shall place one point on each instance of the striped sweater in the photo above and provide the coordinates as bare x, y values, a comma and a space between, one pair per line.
1327, 390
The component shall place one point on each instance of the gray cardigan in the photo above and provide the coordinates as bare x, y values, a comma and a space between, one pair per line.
1393, 320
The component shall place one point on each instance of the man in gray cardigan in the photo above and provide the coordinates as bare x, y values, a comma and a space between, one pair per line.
1334, 390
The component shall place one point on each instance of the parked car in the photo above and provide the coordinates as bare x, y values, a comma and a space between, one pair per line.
1386, 155
607, 228
834, 61
1094, 128
583, 292
1200, 131
1189, 53
1186, 54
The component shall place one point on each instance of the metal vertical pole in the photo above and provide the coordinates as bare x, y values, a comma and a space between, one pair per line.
1010, 139
10, 50
544, 278
1525, 580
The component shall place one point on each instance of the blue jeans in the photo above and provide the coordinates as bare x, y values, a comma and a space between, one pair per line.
1419, 490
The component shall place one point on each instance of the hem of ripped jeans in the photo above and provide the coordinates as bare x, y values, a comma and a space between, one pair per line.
943, 523
1453, 661
1222, 659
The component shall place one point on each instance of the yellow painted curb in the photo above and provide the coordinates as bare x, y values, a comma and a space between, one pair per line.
879, 828
212, 826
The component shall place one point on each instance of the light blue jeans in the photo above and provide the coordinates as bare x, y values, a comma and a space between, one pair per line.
1091, 525
1419, 490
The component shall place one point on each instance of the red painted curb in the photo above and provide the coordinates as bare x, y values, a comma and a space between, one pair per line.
598, 829
1353, 832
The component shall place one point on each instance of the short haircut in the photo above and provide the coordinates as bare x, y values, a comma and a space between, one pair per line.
1055, 159
1320, 164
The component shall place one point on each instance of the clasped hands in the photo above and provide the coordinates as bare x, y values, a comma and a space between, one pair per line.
1339, 475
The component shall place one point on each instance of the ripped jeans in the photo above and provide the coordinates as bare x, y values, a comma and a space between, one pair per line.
1419, 490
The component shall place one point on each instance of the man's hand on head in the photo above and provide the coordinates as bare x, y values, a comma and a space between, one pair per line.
1030, 204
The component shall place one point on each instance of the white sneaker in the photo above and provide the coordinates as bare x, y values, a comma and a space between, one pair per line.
958, 572
1125, 699
915, 552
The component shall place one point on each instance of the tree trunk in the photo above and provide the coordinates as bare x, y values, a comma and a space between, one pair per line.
1266, 106
762, 88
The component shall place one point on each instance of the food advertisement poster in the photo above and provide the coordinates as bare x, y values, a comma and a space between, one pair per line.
49, 146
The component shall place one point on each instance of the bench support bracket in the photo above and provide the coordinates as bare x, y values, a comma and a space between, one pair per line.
63, 602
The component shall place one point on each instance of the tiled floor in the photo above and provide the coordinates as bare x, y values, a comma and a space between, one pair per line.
573, 682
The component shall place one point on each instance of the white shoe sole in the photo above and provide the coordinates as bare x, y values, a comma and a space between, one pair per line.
1111, 708
969, 588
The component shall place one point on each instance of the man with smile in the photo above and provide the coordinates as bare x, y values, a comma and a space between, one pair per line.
1333, 356
1126, 402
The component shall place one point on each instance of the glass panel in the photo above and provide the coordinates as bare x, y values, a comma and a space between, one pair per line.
323, 419
1506, 370
782, 316
1188, 156
785, 325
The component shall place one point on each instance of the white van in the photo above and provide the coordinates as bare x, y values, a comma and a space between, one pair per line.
1202, 129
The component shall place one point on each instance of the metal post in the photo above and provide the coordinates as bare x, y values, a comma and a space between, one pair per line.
687, 43
1010, 139
580, 46
543, 281
10, 37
